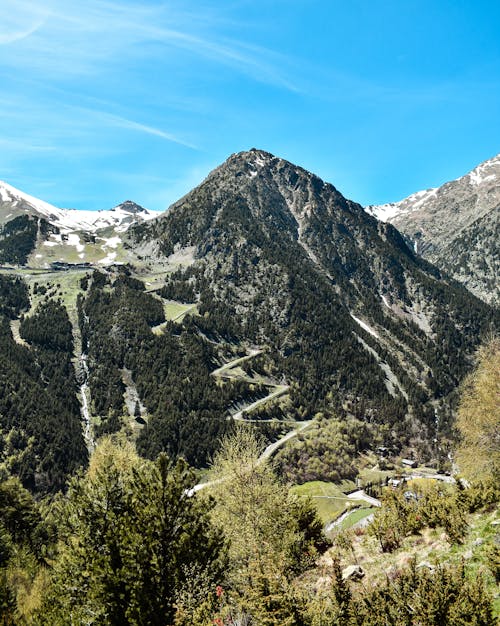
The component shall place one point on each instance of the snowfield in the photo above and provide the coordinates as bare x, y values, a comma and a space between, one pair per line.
71, 220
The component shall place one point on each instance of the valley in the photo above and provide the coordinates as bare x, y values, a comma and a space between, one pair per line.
265, 347
264, 297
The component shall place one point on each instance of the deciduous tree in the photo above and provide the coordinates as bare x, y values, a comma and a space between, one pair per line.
478, 419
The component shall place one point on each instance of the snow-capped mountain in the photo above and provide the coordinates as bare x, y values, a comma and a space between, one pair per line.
36, 233
456, 226
14, 202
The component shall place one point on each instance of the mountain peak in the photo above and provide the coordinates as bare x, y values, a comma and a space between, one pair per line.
456, 226
10, 194
129, 206
253, 158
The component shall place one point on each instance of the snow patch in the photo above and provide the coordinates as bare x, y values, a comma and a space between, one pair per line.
12, 194
108, 259
384, 212
487, 172
74, 240
476, 177
111, 242
387, 212
385, 301
365, 326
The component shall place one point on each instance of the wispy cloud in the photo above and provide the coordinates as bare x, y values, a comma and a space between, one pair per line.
21, 146
123, 122
11, 37
70, 38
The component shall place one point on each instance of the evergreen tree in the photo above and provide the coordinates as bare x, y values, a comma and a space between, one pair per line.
272, 537
131, 540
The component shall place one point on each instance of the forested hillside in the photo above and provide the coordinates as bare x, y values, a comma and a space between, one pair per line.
41, 433
349, 316
335, 318
263, 316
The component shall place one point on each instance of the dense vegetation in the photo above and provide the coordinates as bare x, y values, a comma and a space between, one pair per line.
479, 416
127, 542
130, 545
327, 451
41, 437
282, 260
18, 238
186, 406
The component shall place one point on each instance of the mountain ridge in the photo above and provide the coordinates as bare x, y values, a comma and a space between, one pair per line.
69, 220
261, 258
48, 234
273, 249
456, 226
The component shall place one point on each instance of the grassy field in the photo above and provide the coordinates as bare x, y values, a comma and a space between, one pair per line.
328, 498
175, 311
355, 517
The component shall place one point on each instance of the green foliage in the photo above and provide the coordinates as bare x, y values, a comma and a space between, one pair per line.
409, 509
326, 451
25, 540
14, 296
417, 597
273, 536
18, 239
49, 327
131, 538
412, 597
479, 417
255, 283
39, 410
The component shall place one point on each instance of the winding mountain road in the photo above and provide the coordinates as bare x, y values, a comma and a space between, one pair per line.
279, 390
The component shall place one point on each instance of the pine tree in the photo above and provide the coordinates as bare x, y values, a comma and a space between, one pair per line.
131, 539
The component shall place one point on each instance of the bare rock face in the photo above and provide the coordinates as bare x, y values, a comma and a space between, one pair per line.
456, 226
353, 572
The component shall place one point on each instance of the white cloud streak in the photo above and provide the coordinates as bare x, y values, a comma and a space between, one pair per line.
12, 37
81, 38
123, 122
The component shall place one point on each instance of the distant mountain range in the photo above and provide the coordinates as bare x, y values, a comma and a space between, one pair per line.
457, 227
64, 235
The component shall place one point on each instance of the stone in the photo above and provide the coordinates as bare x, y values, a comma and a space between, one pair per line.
427, 565
353, 572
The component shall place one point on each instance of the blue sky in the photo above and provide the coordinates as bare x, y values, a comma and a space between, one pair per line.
102, 101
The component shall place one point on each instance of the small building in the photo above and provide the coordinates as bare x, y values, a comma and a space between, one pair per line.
409, 463
394, 482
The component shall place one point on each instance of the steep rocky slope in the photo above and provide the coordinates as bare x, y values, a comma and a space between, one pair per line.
323, 307
456, 226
